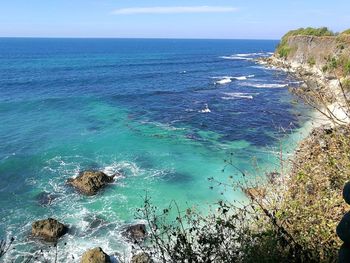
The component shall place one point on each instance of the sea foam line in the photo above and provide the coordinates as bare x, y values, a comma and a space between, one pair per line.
228, 79
238, 95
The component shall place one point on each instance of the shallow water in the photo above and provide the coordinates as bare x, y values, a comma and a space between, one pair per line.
166, 113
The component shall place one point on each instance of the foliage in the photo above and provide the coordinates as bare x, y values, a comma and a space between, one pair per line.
310, 31
346, 84
311, 61
283, 52
346, 32
230, 234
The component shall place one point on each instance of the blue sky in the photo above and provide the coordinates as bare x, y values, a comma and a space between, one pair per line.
247, 19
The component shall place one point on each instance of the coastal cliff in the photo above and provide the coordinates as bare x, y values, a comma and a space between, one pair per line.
322, 62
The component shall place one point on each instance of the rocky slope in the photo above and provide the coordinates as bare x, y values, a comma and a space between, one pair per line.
323, 63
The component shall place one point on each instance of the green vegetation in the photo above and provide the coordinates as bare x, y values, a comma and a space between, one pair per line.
346, 84
311, 61
341, 65
346, 32
347, 67
284, 51
309, 31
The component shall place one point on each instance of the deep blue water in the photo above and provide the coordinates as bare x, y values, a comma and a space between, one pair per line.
164, 112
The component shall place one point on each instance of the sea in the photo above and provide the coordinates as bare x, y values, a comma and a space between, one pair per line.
164, 113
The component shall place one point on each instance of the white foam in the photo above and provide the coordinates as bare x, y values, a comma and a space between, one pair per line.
238, 95
228, 79
247, 56
236, 58
206, 109
224, 81
266, 85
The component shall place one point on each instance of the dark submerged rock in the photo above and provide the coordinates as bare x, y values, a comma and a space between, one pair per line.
135, 232
95, 255
142, 257
45, 198
90, 182
48, 229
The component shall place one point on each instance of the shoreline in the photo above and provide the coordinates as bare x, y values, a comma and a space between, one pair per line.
317, 81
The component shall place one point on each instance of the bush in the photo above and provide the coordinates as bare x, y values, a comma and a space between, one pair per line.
284, 52
311, 61
347, 67
346, 84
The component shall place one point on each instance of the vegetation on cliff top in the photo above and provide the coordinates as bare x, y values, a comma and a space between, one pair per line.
346, 32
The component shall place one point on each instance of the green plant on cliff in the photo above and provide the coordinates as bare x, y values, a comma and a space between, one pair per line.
283, 52
311, 61
346, 32
346, 84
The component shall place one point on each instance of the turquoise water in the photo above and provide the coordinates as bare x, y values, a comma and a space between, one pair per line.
165, 113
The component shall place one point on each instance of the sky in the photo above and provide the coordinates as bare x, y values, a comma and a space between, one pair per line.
219, 19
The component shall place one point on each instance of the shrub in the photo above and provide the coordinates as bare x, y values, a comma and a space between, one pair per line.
347, 67
311, 61
346, 84
284, 52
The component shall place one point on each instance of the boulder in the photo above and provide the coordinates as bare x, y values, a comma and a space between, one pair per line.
142, 257
49, 229
346, 193
343, 228
90, 182
135, 232
95, 255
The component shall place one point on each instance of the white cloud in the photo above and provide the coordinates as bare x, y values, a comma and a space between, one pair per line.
174, 10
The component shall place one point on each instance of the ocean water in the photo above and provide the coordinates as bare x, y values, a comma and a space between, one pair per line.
165, 113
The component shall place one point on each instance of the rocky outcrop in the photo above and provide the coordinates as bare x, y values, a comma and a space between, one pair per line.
90, 182
95, 255
49, 229
141, 258
135, 232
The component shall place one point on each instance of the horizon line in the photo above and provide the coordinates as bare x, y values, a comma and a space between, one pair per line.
145, 38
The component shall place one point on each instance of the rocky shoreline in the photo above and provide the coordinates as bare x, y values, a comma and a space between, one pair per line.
89, 183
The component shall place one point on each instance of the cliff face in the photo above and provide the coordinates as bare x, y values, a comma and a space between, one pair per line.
326, 55
316, 51
323, 63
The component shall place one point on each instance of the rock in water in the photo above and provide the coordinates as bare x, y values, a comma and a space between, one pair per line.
49, 229
141, 258
95, 255
90, 182
343, 228
45, 198
135, 232
346, 193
